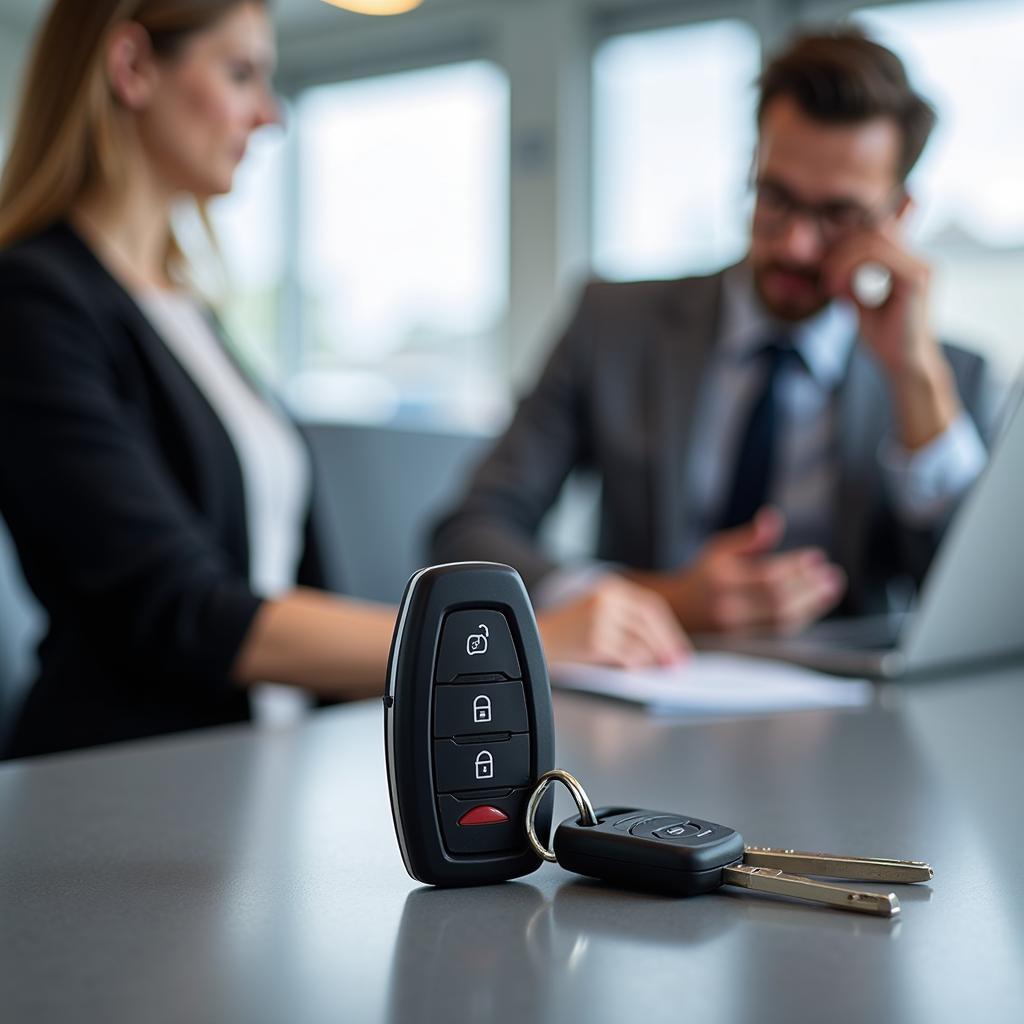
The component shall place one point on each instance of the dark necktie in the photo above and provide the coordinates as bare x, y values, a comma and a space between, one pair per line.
755, 454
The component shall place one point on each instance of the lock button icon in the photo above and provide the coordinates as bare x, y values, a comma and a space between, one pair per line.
484, 765
482, 708
492, 763
490, 707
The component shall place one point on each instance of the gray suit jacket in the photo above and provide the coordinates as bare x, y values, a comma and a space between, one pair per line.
618, 396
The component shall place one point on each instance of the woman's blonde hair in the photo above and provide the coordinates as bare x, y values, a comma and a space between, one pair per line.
66, 137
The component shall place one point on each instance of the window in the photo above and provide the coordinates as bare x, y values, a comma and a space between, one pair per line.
402, 266
674, 135
249, 227
965, 58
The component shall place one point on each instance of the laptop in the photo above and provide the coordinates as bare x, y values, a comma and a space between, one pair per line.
970, 608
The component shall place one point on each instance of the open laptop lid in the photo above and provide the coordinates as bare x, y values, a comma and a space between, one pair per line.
972, 601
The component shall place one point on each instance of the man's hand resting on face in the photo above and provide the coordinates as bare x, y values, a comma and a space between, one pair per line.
736, 581
615, 623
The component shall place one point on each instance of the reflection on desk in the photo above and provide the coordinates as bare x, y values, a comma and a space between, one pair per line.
238, 876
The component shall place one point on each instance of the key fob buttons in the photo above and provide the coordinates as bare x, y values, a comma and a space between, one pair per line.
468, 727
476, 642
465, 709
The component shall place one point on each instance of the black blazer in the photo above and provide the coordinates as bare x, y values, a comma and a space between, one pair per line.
124, 497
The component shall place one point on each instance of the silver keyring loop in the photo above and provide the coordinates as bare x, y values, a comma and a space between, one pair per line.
579, 794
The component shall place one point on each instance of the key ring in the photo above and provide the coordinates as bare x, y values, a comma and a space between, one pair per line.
579, 794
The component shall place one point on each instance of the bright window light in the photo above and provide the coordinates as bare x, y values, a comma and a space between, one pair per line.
673, 141
249, 226
402, 244
965, 57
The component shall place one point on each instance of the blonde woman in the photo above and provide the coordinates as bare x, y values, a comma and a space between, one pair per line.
160, 506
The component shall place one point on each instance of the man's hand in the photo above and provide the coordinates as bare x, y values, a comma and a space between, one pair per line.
899, 334
615, 623
735, 582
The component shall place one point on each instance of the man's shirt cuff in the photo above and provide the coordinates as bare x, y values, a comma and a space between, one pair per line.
926, 484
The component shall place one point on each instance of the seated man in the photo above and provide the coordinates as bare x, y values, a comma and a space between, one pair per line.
770, 447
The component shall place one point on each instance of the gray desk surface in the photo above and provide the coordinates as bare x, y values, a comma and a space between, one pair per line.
234, 876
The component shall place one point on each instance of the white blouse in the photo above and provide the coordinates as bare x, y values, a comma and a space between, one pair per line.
276, 471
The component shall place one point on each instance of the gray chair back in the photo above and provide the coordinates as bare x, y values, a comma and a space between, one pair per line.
381, 490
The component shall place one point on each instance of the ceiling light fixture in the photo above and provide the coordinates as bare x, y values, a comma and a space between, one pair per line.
376, 6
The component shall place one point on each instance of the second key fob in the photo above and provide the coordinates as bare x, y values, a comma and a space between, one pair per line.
655, 850
468, 726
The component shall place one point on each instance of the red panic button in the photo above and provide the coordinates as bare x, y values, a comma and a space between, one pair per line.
483, 815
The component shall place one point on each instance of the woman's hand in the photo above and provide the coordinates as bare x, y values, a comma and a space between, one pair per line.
616, 623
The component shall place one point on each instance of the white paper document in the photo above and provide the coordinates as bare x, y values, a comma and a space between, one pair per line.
710, 683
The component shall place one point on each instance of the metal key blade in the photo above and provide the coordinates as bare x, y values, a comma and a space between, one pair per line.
780, 884
864, 869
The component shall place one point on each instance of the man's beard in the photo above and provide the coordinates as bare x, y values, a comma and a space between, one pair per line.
791, 310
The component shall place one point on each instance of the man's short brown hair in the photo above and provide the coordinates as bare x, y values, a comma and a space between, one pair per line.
842, 77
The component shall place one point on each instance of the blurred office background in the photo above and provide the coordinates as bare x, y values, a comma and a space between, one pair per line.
398, 259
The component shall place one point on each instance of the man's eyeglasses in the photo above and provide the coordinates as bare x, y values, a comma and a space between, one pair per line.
776, 207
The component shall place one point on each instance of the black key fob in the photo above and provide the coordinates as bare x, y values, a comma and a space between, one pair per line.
468, 727
655, 850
